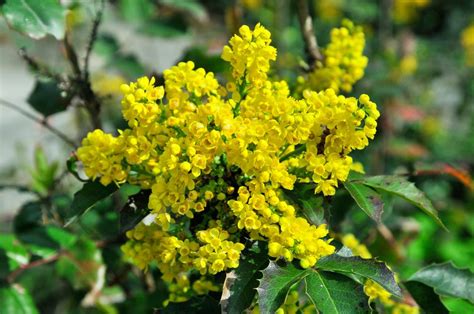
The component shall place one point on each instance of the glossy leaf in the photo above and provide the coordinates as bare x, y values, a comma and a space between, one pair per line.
239, 286
399, 186
447, 280
87, 197
310, 204
367, 199
367, 268
47, 98
275, 283
426, 298
36, 19
16, 300
335, 293
134, 210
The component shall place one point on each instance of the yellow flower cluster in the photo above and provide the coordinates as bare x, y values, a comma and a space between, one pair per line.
467, 41
343, 64
405, 11
372, 289
218, 159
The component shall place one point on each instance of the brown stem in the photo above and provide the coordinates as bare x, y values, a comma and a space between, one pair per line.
12, 276
388, 236
41, 121
92, 39
306, 24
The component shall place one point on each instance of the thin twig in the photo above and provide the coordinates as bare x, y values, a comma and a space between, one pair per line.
41, 121
38, 67
388, 236
12, 276
92, 39
306, 24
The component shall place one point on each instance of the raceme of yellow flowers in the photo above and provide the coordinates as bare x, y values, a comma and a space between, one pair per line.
372, 289
343, 63
217, 158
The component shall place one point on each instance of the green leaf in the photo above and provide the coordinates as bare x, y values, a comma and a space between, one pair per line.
447, 280
71, 165
310, 204
275, 283
106, 46
399, 186
36, 19
166, 28
188, 6
367, 268
196, 305
44, 172
202, 59
16, 300
426, 298
136, 11
15, 252
134, 210
47, 98
335, 293
91, 193
127, 65
239, 286
367, 199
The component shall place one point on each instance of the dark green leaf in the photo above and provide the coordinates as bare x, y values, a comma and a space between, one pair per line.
71, 164
4, 265
239, 286
91, 193
275, 283
399, 186
197, 305
201, 59
47, 98
426, 298
134, 210
165, 28
106, 46
188, 6
128, 65
447, 280
335, 293
36, 18
16, 300
310, 204
367, 268
367, 199
16, 253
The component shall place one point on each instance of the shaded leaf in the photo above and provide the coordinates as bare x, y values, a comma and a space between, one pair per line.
399, 186
136, 11
134, 210
47, 98
128, 65
196, 305
367, 199
36, 18
447, 280
426, 298
239, 286
367, 268
335, 293
275, 283
188, 6
16, 300
166, 28
310, 204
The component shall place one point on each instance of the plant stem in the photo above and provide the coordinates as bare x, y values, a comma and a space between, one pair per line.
41, 121
12, 276
306, 25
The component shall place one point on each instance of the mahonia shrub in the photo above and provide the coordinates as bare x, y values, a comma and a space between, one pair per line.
343, 61
216, 160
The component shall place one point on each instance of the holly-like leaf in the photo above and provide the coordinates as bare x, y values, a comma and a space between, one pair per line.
399, 186
239, 286
310, 204
47, 98
275, 283
367, 199
447, 280
335, 293
36, 19
16, 300
367, 268
87, 197
426, 298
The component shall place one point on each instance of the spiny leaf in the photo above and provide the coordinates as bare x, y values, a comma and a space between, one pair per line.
447, 280
36, 18
426, 298
275, 283
399, 186
239, 286
367, 268
84, 199
367, 199
335, 293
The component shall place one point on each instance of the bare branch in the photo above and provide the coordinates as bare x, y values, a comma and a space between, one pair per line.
306, 25
41, 121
